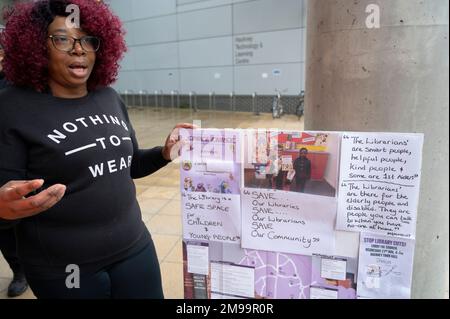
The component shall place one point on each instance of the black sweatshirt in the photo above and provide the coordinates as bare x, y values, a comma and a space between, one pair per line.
87, 144
3, 83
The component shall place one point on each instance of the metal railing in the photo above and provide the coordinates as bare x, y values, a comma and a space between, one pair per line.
172, 99
127, 97
156, 98
193, 101
143, 94
232, 100
278, 104
162, 97
255, 107
212, 100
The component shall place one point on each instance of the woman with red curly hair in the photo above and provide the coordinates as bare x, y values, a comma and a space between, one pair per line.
64, 128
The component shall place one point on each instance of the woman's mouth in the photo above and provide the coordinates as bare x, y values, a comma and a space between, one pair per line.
78, 70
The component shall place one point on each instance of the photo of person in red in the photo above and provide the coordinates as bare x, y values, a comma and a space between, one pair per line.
292, 161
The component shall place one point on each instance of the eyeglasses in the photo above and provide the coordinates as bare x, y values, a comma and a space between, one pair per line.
66, 43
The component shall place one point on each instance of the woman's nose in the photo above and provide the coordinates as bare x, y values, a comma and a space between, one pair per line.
78, 49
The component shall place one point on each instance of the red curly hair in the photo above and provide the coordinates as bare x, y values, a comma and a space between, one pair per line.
25, 41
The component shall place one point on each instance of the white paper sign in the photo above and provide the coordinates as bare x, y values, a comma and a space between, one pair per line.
333, 269
209, 145
288, 222
379, 183
322, 293
385, 267
198, 260
211, 217
233, 280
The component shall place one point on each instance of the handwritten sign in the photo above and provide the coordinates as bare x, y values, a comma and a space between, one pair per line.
287, 222
385, 267
211, 217
379, 183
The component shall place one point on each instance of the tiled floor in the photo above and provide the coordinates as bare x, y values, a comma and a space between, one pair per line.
159, 194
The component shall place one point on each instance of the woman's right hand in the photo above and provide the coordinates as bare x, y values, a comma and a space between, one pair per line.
13, 204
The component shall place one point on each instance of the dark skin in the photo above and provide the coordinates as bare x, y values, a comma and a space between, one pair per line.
69, 83
63, 81
13, 205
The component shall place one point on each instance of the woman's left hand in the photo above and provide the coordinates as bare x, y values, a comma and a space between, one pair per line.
172, 146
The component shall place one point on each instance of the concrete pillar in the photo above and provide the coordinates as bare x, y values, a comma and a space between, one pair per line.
389, 79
